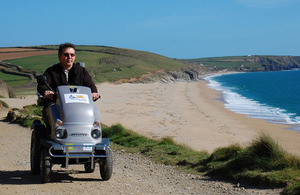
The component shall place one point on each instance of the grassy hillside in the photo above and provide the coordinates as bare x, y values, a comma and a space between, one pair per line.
13, 80
106, 63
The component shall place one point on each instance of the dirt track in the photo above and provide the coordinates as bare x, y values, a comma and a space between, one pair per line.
133, 174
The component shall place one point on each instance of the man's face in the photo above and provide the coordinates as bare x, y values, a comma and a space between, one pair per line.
67, 58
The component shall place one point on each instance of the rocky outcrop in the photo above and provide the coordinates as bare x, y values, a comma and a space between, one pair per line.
276, 63
189, 73
4, 91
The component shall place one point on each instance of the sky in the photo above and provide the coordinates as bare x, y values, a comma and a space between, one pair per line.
181, 29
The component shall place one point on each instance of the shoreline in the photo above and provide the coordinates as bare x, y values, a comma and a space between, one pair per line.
190, 113
281, 120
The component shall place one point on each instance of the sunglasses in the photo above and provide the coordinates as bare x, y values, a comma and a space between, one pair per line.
69, 54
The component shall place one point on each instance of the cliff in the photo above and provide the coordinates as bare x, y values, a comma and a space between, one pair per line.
249, 63
188, 73
276, 63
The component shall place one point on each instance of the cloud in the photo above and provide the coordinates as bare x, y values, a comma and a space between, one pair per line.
264, 3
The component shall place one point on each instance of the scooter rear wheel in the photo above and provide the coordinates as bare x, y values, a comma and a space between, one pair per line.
88, 169
39, 132
34, 154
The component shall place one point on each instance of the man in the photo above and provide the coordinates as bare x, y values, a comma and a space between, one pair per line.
67, 73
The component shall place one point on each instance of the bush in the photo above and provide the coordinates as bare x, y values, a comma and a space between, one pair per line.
263, 163
25, 116
226, 153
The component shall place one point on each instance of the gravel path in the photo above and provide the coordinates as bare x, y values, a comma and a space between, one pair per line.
133, 174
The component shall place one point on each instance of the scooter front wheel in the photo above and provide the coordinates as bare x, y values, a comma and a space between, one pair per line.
106, 166
45, 166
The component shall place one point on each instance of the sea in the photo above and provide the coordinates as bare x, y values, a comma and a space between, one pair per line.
272, 96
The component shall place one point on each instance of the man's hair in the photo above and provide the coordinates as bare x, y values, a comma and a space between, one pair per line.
63, 46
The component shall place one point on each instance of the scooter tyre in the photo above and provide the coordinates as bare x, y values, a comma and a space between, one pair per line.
88, 169
106, 166
45, 166
35, 153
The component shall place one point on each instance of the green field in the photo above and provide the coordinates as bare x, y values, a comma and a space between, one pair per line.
39, 63
13, 80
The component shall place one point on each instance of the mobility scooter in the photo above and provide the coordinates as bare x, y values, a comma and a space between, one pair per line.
69, 134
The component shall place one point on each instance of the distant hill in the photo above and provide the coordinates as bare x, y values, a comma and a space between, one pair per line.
111, 64
250, 63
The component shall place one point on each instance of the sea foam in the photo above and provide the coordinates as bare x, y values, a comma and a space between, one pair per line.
243, 105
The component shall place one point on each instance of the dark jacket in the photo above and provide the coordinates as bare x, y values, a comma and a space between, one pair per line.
78, 75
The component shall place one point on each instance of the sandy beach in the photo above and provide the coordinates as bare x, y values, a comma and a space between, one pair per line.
188, 112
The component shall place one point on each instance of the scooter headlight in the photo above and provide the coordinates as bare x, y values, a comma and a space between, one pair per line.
60, 133
96, 133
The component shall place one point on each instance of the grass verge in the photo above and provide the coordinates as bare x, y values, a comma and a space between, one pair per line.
25, 116
262, 164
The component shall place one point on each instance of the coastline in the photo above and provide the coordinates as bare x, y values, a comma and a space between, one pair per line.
190, 113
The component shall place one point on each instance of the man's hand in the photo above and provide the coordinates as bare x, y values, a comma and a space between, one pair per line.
95, 96
49, 94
